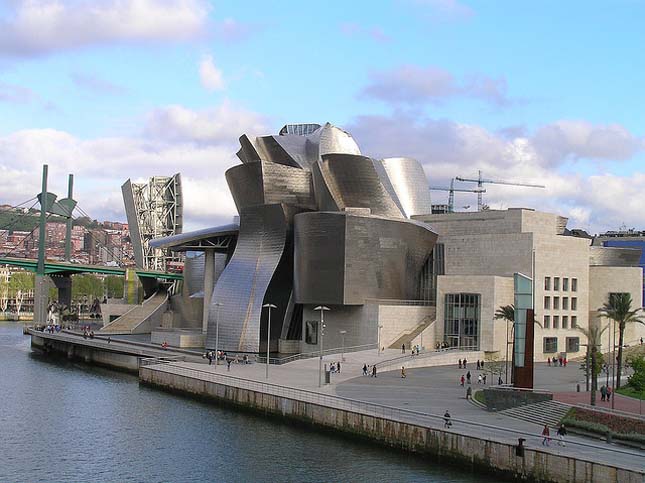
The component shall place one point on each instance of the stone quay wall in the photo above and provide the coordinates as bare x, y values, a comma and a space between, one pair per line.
443, 445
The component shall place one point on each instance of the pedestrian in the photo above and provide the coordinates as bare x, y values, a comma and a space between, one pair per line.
109, 340
338, 367
468, 377
564, 361
228, 364
469, 393
499, 381
459, 363
465, 362
608, 393
477, 364
546, 433
447, 421
479, 378
641, 341
374, 370
209, 356
484, 378
562, 432
548, 361
603, 393
403, 349
364, 369
462, 380
402, 372
481, 364
560, 360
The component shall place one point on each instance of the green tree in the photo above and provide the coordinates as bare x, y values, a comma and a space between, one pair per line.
593, 334
114, 286
20, 283
87, 285
637, 379
619, 309
507, 313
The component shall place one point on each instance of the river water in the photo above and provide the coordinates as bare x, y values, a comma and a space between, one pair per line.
62, 421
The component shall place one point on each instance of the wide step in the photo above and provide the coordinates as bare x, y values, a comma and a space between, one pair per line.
546, 412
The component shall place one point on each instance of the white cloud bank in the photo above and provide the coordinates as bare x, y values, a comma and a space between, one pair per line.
210, 76
39, 27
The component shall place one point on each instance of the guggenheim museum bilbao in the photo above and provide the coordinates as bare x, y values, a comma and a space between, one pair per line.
322, 224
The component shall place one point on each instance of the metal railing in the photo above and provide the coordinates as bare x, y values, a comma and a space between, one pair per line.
311, 355
427, 420
422, 303
151, 361
422, 355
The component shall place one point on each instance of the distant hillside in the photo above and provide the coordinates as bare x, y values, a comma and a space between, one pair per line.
17, 221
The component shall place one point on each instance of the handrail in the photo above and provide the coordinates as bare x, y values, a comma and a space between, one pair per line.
311, 355
423, 354
410, 330
361, 407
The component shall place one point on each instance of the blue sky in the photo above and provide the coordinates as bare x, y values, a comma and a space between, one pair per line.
546, 92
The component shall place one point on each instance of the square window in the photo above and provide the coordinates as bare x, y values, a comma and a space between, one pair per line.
574, 321
556, 283
574, 303
573, 344
547, 302
574, 284
565, 321
565, 284
556, 321
565, 303
550, 344
556, 303
547, 283
547, 321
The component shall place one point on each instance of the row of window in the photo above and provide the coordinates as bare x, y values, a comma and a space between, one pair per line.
550, 344
556, 303
565, 284
553, 321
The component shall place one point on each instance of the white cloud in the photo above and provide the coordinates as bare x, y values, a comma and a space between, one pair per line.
596, 201
37, 27
175, 140
210, 76
412, 84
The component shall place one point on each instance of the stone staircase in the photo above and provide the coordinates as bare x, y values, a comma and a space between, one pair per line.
408, 335
138, 319
545, 412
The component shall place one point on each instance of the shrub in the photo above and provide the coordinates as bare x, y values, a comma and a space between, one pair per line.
637, 379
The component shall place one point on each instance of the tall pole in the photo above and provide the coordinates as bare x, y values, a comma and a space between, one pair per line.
506, 372
613, 366
608, 349
342, 351
269, 307
68, 228
321, 309
43, 224
218, 305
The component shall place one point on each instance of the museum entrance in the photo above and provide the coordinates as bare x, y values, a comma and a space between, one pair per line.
461, 315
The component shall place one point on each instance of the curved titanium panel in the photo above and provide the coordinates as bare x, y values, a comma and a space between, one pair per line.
242, 285
194, 271
263, 182
354, 183
334, 140
614, 257
344, 259
409, 182
247, 152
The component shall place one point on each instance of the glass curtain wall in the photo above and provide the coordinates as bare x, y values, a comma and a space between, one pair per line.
462, 315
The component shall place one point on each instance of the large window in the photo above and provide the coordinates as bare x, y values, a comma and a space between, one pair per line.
550, 344
574, 284
574, 321
461, 326
547, 283
565, 303
565, 321
556, 321
547, 321
556, 303
547, 302
574, 303
573, 344
556, 283
565, 284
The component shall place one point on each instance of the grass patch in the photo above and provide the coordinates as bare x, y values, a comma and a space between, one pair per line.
480, 397
630, 392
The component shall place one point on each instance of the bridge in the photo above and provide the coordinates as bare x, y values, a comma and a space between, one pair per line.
68, 268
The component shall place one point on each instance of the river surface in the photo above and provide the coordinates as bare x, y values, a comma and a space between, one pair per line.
62, 421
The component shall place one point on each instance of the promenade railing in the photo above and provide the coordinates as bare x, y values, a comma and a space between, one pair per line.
423, 419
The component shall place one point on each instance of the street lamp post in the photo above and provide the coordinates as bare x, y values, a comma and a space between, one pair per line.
218, 305
342, 338
321, 309
268, 306
613, 365
378, 340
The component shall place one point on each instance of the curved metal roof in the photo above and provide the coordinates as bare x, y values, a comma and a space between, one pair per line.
216, 237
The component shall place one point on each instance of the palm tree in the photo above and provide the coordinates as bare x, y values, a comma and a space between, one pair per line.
593, 334
507, 313
619, 309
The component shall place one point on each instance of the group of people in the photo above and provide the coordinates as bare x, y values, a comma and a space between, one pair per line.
222, 356
416, 350
546, 435
369, 370
441, 345
557, 362
605, 393
87, 332
334, 367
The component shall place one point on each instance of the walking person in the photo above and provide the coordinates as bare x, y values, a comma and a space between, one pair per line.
548, 361
481, 365
447, 421
468, 377
546, 433
403, 349
484, 379
603, 393
364, 369
479, 378
374, 370
338, 367
459, 363
562, 432
478, 366
462, 380
228, 363
465, 362
402, 372
608, 393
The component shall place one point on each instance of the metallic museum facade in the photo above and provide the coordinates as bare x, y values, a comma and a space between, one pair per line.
320, 223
